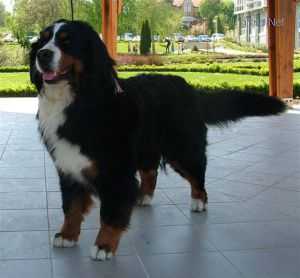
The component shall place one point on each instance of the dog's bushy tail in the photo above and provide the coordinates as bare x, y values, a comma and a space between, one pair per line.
223, 107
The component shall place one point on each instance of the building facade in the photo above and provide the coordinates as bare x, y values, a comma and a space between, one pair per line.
252, 22
190, 11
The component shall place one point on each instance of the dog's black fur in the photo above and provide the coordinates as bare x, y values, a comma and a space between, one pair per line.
156, 118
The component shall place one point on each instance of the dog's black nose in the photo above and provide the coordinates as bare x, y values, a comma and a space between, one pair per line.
45, 57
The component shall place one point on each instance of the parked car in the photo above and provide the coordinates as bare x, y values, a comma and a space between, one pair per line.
191, 38
204, 38
136, 38
156, 38
178, 37
127, 37
217, 36
8, 37
32, 39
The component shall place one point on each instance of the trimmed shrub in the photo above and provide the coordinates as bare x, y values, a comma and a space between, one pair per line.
14, 69
145, 45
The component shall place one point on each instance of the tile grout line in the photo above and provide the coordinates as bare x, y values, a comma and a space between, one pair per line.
5, 147
48, 219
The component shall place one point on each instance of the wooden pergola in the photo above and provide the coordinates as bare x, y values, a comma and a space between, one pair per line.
281, 26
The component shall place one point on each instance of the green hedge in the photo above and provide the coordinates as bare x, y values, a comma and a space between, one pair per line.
247, 68
264, 89
213, 68
14, 69
18, 92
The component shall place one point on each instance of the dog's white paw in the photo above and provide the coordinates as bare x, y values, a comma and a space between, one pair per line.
145, 200
197, 205
98, 254
60, 242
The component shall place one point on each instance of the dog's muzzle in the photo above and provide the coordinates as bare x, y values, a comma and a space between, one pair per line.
44, 58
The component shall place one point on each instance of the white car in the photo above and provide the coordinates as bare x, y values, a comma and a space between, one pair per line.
217, 36
191, 38
8, 37
136, 38
33, 39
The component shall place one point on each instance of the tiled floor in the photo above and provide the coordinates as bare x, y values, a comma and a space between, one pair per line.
251, 228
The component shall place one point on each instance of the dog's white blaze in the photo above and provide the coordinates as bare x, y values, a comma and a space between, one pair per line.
51, 46
67, 156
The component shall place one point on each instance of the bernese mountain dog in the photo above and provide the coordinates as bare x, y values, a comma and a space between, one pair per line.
101, 130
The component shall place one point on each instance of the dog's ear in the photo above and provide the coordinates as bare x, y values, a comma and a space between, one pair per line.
100, 66
35, 76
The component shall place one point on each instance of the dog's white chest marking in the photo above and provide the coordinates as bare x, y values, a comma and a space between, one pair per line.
67, 156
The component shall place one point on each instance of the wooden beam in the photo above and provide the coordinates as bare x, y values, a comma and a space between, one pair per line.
281, 28
110, 11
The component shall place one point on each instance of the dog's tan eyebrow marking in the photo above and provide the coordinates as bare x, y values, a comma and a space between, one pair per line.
63, 35
45, 34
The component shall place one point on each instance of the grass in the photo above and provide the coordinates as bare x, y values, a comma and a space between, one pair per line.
17, 80
123, 47
217, 79
20, 81
16, 84
241, 47
14, 80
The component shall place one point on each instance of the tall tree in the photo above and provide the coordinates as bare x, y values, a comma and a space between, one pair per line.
127, 19
145, 45
163, 18
228, 14
2, 13
221, 11
208, 10
87, 10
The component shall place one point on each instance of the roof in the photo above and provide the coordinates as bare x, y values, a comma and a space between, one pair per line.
179, 3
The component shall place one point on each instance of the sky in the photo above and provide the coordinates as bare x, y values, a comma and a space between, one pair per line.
8, 4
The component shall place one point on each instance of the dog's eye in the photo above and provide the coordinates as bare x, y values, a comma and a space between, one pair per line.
64, 38
65, 41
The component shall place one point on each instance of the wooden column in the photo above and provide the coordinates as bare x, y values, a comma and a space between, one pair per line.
281, 24
110, 11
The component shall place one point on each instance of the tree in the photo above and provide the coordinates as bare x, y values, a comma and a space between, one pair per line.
163, 19
86, 10
222, 11
2, 13
208, 10
145, 44
127, 19
30, 16
228, 14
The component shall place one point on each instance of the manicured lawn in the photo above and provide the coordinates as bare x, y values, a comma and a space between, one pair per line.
14, 80
17, 80
207, 79
123, 47
21, 80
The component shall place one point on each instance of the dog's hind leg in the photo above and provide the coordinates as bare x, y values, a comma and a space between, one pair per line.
194, 173
148, 184
76, 203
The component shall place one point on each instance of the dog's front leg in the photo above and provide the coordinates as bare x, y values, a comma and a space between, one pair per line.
116, 208
76, 202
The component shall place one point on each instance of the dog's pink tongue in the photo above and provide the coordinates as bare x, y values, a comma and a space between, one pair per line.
48, 76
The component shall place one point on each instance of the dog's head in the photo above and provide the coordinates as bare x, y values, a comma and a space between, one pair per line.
72, 51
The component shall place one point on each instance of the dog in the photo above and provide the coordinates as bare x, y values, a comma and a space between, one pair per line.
101, 130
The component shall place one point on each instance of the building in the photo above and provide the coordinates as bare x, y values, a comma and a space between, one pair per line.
190, 11
252, 22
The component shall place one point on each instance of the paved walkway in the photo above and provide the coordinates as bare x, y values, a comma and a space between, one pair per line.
251, 229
